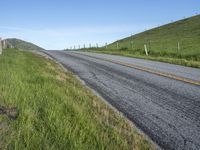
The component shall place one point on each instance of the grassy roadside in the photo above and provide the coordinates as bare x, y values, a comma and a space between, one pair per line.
129, 53
55, 111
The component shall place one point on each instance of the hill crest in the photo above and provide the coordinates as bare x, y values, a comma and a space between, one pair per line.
19, 44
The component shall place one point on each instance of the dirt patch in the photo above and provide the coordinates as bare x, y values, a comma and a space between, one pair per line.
61, 77
11, 113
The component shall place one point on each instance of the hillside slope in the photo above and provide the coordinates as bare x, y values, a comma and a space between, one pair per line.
20, 44
162, 43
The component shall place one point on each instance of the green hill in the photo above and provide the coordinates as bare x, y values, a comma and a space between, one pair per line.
20, 44
162, 43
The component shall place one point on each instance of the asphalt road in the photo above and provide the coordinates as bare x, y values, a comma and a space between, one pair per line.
165, 109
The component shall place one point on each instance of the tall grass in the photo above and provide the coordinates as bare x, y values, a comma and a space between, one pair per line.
56, 111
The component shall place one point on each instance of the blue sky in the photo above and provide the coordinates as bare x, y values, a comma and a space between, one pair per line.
59, 24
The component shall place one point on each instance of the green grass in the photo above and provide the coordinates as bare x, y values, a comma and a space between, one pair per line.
162, 43
56, 111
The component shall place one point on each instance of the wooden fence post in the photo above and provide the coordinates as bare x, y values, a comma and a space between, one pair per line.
132, 44
146, 51
106, 45
178, 46
0, 45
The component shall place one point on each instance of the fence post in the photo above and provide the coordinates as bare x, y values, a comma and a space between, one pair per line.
146, 51
3, 44
132, 44
106, 45
132, 41
0, 45
149, 44
178, 46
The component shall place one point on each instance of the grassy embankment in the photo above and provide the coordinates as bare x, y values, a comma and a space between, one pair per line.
50, 109
162, 43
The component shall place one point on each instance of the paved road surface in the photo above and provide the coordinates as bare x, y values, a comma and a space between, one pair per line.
167, 110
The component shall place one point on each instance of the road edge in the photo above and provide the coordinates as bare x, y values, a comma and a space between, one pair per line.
132, 124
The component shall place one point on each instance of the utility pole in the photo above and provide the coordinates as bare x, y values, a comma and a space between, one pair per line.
97, 45
0, 45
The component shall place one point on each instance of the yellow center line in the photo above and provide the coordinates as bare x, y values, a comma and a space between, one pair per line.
168, 75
